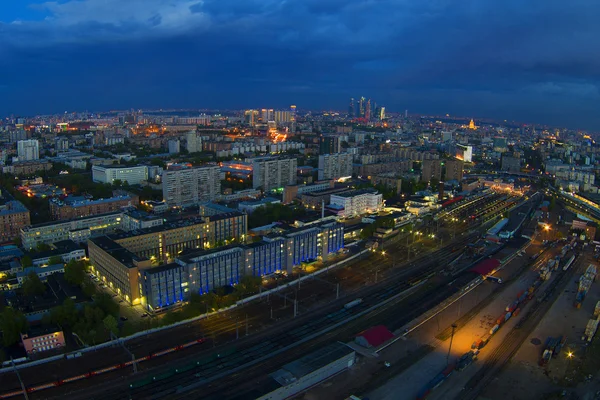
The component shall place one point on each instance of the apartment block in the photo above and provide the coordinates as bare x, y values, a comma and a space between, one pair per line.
13, 216
431, 169
454, 170
335, 166
185, 186
273, 173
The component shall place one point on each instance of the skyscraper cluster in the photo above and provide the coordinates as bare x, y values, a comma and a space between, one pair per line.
365, 109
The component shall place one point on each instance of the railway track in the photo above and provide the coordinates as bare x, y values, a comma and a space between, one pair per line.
515, 338
206, 367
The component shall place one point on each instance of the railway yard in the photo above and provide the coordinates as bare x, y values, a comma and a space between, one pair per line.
230, 355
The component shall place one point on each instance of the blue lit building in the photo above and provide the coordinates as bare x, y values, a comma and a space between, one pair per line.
266, 257
164, 286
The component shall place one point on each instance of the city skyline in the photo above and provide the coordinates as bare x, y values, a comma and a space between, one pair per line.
430, 58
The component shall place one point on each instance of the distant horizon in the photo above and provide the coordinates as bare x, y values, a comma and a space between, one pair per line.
341, 112
508, 61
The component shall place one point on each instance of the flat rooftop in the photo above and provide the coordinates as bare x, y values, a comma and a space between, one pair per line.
117, 251
311, 362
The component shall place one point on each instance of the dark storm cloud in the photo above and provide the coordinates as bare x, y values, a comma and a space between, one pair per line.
508, 59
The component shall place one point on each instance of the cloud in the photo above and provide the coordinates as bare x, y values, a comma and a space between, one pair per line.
239, 50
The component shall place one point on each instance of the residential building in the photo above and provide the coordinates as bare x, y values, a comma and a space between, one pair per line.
130, 175
27, 167
356, 202
210, 209
431, 169
511, 164
335, 166
185, 186
134, 220
78, 206
454, 170
41, 339
13, 216
274, 173
77, 229
193, 142
28, 150
174, 146
500, 144
389, 180
292, 192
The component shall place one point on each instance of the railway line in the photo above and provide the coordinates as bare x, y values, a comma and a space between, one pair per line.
217, 369
511, 343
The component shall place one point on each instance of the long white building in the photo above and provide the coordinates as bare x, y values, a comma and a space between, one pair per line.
335, 166
133, 175
187, 186
274, 173
356, 202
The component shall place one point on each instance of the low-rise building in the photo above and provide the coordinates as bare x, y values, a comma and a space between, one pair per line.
389, 180
251, 206
356, 202
13, 216
41, 339
131, 175
42, 272
76, 207
67, 250
77, 229
27, 167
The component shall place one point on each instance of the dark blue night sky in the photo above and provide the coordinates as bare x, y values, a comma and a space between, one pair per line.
535, 61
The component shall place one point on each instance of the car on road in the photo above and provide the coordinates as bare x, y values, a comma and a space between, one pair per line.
123, 318
144, 315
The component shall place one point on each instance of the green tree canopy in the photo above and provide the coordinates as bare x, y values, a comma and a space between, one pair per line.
55, 260
75, 272
26, 261
33, 286
12, 324
110, 324
106, 303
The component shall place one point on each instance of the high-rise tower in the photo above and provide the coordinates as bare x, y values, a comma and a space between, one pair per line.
351, 108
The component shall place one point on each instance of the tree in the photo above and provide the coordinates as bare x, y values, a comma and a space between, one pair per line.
26, 261
106, 303
33, 286
75, 272
12, 324
42, 247
55, 260
117, 182
110, 324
